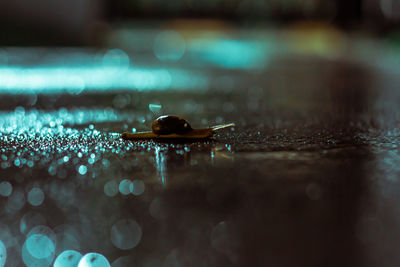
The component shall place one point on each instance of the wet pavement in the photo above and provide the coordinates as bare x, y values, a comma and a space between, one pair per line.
309, 177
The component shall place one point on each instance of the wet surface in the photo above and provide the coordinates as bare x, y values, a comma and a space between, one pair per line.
308, 177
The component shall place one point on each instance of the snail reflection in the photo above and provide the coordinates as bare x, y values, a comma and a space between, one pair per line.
173, 161
176, 138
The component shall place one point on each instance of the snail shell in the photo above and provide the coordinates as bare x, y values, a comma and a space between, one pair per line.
170, 124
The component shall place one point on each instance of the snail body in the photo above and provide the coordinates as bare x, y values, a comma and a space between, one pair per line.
170, 124
174, 127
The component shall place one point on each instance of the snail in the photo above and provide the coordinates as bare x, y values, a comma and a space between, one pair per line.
174, 127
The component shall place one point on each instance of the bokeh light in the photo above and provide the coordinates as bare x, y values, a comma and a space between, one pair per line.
68, 258
5, 189
82, 170
67, 238
40, 246
16, 201
93, 259
124, 186
116, 58
36, 196
137, 187
111, 188
30, 220
3, 254
126, 234
124, 261
30, 260
169, 46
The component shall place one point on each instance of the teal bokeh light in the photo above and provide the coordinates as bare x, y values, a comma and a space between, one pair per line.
68, 258
40, 246
93, 260
75, 80
230, 53
3, 254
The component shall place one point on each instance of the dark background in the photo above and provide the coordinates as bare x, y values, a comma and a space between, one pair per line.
45, 22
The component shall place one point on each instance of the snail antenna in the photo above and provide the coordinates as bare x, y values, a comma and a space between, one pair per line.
218, 127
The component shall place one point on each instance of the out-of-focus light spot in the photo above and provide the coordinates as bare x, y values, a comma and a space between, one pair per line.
121, 100
126, 234
40, 246
35, 196
173, 259
390, 9
116, 58
153, 262
169, 46
3, 57
16, 201
30, 260
68, 258
82, 170
137, 187
65, 158
67, 238
111, 188
231, 54
30, 220
157, 209
93, 260
124, 186
17, 162
155, 108
3, 254
5, 189
6, 237
124, 261
74, 80
313, 191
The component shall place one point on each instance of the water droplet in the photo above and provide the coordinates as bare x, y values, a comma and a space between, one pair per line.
155, 108
126, 234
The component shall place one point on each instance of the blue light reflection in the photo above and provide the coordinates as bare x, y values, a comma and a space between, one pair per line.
74, 80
